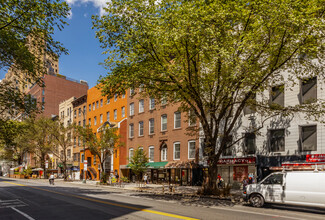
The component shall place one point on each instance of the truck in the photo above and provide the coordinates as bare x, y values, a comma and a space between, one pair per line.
305, 188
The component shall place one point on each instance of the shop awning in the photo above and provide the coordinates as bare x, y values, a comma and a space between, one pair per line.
181, 164
153, 165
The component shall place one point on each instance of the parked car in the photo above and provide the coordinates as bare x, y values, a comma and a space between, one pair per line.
289, 187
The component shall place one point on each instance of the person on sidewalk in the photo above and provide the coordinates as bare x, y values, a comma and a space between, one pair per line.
219, 181
145, 179
51, 179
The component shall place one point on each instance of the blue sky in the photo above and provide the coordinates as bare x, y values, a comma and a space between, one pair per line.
78, 37
84, 49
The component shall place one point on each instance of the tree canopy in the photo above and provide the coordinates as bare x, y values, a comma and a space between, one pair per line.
214, 57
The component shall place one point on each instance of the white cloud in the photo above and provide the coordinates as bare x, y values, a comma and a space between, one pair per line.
70, 14
97, 4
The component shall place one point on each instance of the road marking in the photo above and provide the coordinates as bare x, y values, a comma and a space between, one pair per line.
11, 203
258, 213
23, 213
110, 203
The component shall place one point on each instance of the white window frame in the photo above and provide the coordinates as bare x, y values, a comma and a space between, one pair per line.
141, 129
115, 97
131, 91
89, 121
108, 101
94, 107
101, 118
131, 130
174, 146
107, 116
141, 105
180, 120
152, 104
132, 109
188, 149
163, 154
151, 148
101, 103
151, 124
131, 154
115, 114
95, 120
161, 119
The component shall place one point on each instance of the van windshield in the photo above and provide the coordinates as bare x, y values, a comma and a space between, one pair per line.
273, 179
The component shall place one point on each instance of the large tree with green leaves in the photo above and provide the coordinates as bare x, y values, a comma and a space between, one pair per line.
10, 134
26, 36
102, 145
37, 138
138, 163
213, 57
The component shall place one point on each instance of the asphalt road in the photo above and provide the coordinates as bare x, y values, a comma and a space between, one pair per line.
21, 199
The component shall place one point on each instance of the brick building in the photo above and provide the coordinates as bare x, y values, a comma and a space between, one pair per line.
57, 88
160, 129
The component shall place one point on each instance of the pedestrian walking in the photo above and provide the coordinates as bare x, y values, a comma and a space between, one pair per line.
51, 179
219, 181
145, 179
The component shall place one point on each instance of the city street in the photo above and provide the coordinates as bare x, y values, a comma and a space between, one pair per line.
24, 199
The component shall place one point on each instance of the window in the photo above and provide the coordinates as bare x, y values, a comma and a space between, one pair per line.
249, 143
89, 107
141, 88
67, 110
229, 149
308, 138
94, 159
79, 123
89, 121
151, 154
93, 105
84, 109
274, 179
141, 128
101, 118
78, 141
151, 126
191, 149
152, 103
107, 116
123, 95
141, 149
177, 120
115, 97
95, 120
101, 103
75, 113
115, 114
84, 122
277, 95
309, 90
69, 153
277, 140
177, 150
43, 91
141, 106
74, 142
123, 112
131, 130
250, 107
130, 153
163, 101
131, 91
79, 112
131, 109
108, 101
164, 122
164, 153
96, 104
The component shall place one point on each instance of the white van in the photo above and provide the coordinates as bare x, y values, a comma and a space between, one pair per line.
289, 187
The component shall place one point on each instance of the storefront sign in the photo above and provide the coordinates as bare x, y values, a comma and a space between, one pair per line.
245, 160
315, 158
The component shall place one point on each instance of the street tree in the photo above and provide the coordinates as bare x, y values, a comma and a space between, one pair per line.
213, 57
61, 138
10, 133
138, 163
102, 145
37, 138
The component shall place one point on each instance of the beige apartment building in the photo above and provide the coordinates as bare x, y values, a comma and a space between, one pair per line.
160, 129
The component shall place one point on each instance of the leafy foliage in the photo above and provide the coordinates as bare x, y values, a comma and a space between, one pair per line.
214, 57
138, 163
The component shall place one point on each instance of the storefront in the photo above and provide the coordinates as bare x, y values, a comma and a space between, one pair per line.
234, 170
312, 162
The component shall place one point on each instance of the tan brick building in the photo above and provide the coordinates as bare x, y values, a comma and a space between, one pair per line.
161, 130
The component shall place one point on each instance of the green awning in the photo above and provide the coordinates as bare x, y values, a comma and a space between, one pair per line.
154, 165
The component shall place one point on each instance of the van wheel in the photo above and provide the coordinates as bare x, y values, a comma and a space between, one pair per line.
256, 200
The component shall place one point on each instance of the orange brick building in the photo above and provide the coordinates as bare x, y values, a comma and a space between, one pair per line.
99, 110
